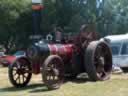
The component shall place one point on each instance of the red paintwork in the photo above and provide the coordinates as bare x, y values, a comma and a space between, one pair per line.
61, 49
36, 67
7, 58
53, 48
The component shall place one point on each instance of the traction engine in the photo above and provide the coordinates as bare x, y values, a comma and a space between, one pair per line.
59, 60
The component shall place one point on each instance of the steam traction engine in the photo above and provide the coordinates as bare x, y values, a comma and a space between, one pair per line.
55, 61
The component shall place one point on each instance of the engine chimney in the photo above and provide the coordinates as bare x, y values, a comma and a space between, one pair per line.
37, 6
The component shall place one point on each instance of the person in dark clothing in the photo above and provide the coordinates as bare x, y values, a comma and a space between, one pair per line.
87, 34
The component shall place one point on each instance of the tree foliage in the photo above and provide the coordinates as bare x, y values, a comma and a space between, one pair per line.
15, 21
108, 16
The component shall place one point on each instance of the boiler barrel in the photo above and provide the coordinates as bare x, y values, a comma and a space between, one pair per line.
44, 50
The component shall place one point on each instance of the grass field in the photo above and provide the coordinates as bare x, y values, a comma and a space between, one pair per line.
116, 86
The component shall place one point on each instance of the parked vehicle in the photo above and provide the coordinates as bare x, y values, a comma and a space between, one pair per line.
19, 53
6, 60
119, 46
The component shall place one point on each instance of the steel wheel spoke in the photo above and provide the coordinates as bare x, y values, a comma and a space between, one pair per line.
15, 74
17, 77
27, 71
24, 77
14, 69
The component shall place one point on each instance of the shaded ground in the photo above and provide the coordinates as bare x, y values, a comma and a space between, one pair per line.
116, 86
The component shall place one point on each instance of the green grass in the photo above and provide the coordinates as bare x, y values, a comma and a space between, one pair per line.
116, 86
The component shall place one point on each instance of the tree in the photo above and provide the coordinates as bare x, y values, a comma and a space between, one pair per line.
108, 16
11, 23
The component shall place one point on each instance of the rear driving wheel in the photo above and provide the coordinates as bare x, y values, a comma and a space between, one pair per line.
20, 72
53, 72
98, 61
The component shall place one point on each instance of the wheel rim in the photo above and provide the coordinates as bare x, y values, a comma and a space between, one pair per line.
54, 73
102, 61
20, 73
